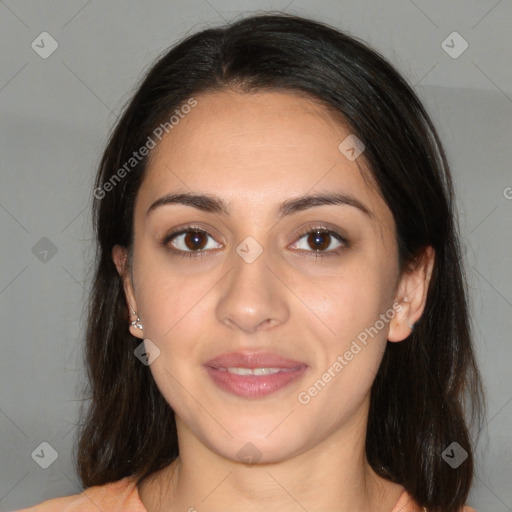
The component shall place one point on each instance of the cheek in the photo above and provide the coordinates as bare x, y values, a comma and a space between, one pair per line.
175, 309
350, 307
344, 304
177, 316
167, 298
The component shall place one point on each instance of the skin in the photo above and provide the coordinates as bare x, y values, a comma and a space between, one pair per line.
255, 151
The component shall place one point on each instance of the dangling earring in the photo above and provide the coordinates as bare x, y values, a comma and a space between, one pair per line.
136, 323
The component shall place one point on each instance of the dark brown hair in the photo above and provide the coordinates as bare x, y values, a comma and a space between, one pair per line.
425, 385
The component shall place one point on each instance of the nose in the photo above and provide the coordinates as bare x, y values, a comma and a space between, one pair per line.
252, 297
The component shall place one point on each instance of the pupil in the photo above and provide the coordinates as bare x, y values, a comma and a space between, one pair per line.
320, 240
193, 240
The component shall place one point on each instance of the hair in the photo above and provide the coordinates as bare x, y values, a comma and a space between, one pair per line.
427, 391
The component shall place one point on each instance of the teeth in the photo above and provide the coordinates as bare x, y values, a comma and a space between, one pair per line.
255, 371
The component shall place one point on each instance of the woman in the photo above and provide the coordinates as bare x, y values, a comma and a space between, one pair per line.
279, 315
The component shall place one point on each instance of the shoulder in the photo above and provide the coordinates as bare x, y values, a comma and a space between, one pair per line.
114, 496
407, 504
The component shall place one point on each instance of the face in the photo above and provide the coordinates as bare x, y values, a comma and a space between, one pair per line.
276, 281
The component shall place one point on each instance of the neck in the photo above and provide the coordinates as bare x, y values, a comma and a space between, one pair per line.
334, 475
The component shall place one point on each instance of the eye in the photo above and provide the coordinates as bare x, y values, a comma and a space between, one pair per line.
190, 242
320, 240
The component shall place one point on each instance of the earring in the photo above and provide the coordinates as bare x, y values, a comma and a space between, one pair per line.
136, 323
411, 326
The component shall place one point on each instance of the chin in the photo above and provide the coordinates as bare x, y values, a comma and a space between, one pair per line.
261, 444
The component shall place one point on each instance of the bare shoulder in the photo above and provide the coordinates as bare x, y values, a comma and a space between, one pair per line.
119, 495
55, 504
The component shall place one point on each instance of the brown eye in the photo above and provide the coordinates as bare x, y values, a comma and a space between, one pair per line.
319, 241
189, 241
195, 240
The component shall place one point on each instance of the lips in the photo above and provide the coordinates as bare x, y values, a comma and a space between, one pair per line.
253, 375
252, 360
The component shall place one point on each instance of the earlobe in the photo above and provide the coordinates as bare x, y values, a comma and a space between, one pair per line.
120, 258
412, 296
399, 327
136, 327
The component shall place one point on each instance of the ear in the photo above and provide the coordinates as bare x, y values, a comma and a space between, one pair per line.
412, 295
120, 258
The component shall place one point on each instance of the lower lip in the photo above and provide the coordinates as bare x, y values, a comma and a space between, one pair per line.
253, 386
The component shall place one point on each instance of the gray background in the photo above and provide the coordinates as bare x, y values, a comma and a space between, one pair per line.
56, 113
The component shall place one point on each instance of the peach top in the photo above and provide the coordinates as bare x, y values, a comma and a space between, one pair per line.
123, 496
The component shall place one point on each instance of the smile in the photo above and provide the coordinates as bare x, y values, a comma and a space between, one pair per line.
253, 375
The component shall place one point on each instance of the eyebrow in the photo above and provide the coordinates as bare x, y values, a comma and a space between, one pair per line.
213, 204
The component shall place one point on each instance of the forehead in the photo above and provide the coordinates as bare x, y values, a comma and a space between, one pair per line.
257, 149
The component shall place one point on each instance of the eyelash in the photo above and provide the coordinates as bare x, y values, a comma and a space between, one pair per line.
307, 231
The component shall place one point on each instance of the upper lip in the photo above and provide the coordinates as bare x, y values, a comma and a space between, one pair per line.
252, 360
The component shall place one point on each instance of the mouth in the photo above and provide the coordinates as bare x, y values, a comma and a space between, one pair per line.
253, 375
